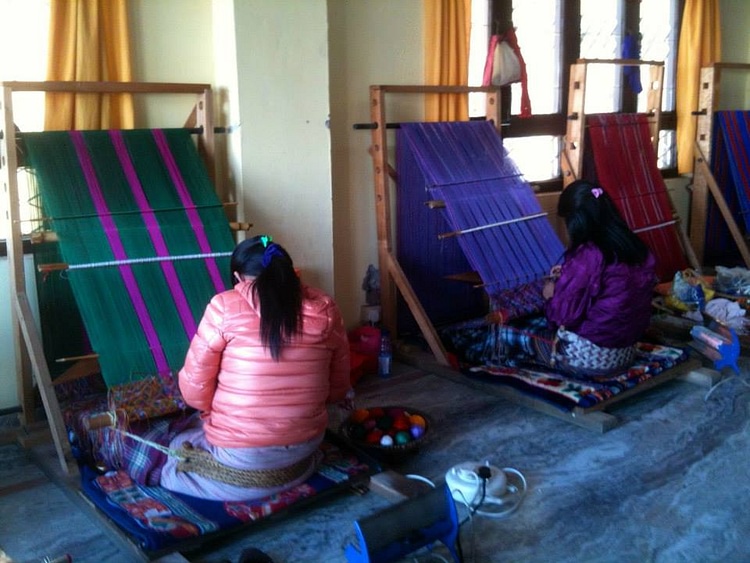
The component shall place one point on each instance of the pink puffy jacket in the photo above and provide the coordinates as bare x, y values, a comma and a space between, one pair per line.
249, 400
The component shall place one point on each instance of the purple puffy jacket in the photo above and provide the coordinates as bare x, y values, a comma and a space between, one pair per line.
609, 304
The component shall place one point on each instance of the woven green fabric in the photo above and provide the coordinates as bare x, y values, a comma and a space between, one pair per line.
134, 195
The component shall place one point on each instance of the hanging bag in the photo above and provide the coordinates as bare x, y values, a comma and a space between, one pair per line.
505, 65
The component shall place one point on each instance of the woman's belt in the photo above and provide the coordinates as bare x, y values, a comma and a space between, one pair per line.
201, 462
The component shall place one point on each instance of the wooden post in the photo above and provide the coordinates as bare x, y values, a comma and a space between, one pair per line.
17, 277
207, 141
44, 382
572, 153
707, 100
379, 153
653, 102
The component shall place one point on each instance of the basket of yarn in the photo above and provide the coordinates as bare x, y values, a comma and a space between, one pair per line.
387, 432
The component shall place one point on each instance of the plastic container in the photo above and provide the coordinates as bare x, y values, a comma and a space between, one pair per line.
385, 356
365, 341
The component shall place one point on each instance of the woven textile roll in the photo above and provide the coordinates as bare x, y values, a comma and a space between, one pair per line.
144, 234
625, 166
494, 222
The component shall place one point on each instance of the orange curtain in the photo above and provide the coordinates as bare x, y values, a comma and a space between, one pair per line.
700, 45
447, 26
89, 41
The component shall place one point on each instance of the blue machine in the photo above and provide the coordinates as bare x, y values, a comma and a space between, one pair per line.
405, 527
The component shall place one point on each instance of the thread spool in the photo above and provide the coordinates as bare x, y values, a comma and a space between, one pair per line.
104, 419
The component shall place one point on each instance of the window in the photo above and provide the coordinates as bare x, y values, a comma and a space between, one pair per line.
552, 34
23, 57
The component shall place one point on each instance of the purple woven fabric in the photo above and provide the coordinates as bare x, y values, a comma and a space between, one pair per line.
505, 236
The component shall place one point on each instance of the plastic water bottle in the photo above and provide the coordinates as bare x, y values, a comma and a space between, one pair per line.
385, 357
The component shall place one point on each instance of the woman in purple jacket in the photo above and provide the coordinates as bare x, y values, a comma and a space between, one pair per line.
597, 302
599, 299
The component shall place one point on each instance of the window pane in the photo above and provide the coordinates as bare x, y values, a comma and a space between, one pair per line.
479, 39
536, 157
601, 37
659, 43
667, 151
539, 33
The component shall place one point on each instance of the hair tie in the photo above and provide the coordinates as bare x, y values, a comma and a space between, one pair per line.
596, 192
271, 250
266, 239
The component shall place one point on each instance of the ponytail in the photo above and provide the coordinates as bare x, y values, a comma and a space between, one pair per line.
277, 288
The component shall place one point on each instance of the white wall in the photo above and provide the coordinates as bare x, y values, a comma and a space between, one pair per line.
197, 45
282, 60
735, 48
172, 41
228, 146
279, 68
8, 377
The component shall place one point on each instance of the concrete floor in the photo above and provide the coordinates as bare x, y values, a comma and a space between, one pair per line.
669, 483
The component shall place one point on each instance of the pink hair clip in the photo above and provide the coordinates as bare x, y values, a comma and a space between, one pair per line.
596, 192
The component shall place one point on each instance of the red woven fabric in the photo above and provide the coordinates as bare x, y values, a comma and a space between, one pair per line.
626, 168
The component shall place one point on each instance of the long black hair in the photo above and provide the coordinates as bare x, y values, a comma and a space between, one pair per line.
591, 216
277, 288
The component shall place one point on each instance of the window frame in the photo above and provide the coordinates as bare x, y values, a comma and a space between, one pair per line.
556, 124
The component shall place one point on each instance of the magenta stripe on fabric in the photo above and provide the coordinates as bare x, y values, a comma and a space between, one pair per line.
154, 231
189, 205
110, 230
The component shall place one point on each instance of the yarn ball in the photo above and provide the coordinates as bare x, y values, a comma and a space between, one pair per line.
385, 426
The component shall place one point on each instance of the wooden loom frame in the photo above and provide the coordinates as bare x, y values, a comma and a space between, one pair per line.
704, 182
392, 276
28, 348
572, 153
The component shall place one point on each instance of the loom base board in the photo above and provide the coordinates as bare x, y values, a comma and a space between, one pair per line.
221, 520
592, 418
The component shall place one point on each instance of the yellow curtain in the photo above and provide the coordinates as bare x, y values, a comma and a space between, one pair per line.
446, 42
700, 45
89, 41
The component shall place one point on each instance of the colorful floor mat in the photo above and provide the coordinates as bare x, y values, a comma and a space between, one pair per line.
157, 519
568, 393
124, 485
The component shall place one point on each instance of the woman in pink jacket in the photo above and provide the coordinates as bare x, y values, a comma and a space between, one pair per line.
267, 358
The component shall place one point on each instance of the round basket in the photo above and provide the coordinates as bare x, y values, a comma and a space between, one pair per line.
354, 426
